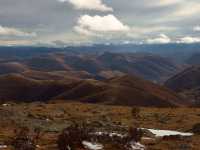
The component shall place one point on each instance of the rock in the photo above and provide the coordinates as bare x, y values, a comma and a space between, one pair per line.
173, 138
147, 133
196, 128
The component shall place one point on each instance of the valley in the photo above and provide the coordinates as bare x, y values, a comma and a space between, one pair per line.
53, 93
99, 74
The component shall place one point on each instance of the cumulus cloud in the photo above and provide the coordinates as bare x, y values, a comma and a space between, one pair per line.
6, 31
189, 40
56, 20
96, 25
196, 28
89, 5
161, 39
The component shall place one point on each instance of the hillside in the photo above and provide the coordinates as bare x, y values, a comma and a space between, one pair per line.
188, 79
12, 67
148, 66
187, 84
126, 90
194, 59
56, 75
45, 64
18, 88
102, 65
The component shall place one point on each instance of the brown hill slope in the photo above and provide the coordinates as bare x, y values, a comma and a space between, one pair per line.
70, 76
101, 66
188, 79
12, 67
148, 66
194, 59
127, 90
47, 63
18, 88
187, 84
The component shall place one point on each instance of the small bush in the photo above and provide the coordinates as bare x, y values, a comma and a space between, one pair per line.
72, 137
23, 140
196, 128
135, 134
135, 112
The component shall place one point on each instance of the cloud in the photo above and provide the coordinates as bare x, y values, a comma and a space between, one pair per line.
168, 2
189, 40
6, 31
89, 5
97, 25
143, 19
187, 9
162, 2
161, 39
139, 31
196, 28
15, 42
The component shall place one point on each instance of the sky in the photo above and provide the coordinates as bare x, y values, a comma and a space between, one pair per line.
76, 22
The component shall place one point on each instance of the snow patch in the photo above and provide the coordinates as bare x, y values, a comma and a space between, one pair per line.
92, 146
137, 146
5, 105
112, 134
3, 146
161, 133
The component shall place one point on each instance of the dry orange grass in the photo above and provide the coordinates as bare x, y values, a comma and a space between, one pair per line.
52, 118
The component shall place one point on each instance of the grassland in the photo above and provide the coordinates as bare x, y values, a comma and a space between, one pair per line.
52, 118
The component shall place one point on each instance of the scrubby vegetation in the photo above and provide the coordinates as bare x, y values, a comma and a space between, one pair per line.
25, 139
62, 125
72, 138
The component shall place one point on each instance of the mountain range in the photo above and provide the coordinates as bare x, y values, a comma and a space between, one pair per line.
101, 66
187, 84
125, 90
129, 75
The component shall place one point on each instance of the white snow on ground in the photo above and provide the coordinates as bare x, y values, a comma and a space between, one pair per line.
4, 105
116, 134
137, 146
3, 146
92, 146
109, 134
132, 146
161, 133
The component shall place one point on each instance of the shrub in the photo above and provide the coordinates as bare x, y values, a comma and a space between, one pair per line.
72, 137
135, 112
135, 134
196, 128
23, 140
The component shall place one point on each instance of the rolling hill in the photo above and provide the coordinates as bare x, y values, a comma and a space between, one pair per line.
126, 90
148, 66
12, 67
194, 59
187, 84
188, 79
102, 65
